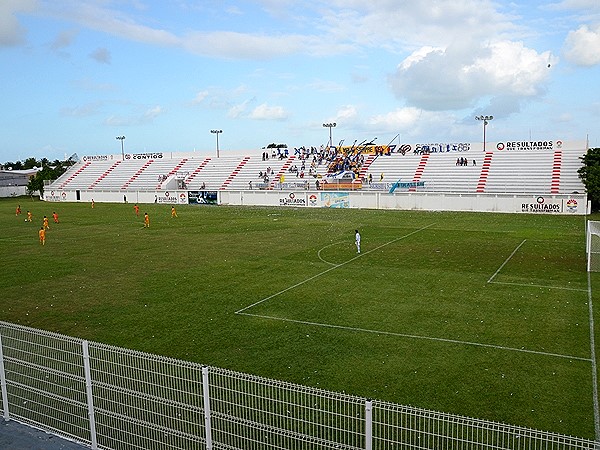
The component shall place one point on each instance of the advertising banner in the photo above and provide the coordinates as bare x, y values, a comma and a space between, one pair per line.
202, 197
335, 199
293, 199
541, 204
55, 196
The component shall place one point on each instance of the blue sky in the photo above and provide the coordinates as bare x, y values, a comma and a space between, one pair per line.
77, 73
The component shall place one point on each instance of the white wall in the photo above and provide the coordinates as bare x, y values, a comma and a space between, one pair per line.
13, 191
509, 203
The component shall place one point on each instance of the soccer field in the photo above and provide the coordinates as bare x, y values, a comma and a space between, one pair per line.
482, 315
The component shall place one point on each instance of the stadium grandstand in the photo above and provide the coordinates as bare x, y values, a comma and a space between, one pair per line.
514, 168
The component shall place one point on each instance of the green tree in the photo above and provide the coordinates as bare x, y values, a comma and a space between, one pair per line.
48, 172
30, 163
590, 175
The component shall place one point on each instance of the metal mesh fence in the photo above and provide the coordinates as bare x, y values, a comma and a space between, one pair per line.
402, 427
113, 398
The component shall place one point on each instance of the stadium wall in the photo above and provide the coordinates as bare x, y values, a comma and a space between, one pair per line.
506, 203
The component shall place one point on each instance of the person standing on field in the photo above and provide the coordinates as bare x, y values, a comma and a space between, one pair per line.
55, 217
136, 208
146, 220
357, 240
42, 234
18, 210
173, 212
46, 224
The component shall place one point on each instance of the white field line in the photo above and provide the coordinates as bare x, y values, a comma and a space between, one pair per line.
538, 286
593, 356
412, 336
507, 259
360, 255
327, 246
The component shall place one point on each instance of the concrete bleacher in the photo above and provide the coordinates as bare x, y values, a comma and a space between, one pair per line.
493, 172
514, 171
212, 173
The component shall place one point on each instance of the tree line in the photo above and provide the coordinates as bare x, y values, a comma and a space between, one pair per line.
589, 173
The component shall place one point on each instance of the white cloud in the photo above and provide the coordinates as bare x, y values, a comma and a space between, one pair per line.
266, 112
101, 55
238, 110
451, 78
63, 40
200, 97
145, 117
582, 47
346, 113
82, 111
400, 119
11, 31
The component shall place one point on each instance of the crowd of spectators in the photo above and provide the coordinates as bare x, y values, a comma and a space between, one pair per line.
310, 159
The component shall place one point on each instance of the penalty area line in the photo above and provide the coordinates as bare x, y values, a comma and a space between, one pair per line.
506, 261
539, 286
360, 255
414, 336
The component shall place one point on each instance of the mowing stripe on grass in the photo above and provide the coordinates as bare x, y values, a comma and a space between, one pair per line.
289, 288
414, 336
507, 259
538, 286
594, 366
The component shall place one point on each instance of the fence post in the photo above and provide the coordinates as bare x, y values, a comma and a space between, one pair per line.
88, 390
3, 383
207, 424
368, 425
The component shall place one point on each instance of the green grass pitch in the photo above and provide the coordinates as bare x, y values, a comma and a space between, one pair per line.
482, 315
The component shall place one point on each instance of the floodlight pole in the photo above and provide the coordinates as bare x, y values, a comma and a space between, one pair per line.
217, 132
330, 126
486, 120
122, 138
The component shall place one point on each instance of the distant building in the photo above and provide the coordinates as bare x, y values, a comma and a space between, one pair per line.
14, 182
17, 177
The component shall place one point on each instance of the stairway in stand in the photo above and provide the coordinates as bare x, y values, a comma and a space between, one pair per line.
105, 174
419, 171
282, 171
485, 171
556, 168
234, 173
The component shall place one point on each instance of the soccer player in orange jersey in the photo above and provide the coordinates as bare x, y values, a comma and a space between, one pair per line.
146, 220
18, 211
93, 203
173, 212
29, 216
46, 224
42, 234
136, 208
55, 217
